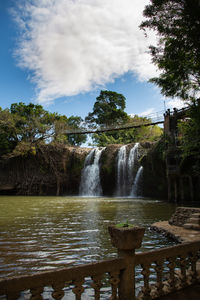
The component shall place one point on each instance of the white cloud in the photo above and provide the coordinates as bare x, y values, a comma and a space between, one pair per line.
175, 103
74, 46
148, 112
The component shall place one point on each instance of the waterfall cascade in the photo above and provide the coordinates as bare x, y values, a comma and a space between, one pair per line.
121, 171
90, 179
136, 190
128, 171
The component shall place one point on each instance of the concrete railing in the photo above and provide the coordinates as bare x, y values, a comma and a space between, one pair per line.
171, 269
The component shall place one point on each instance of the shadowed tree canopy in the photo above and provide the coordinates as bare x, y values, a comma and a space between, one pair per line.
177, 53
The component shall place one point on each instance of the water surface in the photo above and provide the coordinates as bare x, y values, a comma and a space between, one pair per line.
43, 233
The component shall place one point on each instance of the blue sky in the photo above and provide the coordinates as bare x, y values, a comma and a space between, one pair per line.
62, 53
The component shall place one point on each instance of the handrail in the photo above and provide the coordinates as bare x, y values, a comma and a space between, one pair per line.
166, 252
182, 271
180, 260
58, 278
111, 128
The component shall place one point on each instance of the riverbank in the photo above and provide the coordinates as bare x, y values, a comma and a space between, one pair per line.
179, 234
183, 226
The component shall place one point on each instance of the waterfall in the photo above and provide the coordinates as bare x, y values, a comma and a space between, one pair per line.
90, 180
136, 190
121, 172
127, 171
132, 164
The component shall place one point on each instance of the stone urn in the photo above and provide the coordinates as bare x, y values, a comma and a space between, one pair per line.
126, 237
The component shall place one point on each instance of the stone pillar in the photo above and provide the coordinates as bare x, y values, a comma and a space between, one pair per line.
126, 240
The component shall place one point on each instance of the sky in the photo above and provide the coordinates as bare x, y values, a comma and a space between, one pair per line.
62, 53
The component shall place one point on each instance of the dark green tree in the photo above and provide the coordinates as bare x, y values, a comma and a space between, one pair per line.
8, 132
177, 54
108, 110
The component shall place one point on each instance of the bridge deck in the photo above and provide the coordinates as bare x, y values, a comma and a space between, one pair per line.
107, 129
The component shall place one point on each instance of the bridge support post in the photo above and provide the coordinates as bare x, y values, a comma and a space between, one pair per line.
126, 240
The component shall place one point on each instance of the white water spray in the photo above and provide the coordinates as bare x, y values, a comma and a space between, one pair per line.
127, 171
90, 178
136, 190
132, 161
121, 172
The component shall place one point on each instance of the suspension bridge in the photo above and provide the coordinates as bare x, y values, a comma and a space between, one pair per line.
148, 120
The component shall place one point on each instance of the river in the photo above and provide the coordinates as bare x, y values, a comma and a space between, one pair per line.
43, 233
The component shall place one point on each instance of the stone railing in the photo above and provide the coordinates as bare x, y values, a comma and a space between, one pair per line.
174, 268
171, 269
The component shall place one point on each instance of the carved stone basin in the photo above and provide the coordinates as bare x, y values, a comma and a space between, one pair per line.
126, 238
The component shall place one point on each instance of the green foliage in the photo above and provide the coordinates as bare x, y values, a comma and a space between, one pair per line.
76, 139
32, 122
24, 127
177, 53
189, 132
108, 109
133, 135
8, 133
125, 225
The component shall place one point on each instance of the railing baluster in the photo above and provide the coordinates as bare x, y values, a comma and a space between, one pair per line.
181, 266
114, 281
183, 270
194, 259
171, 267
78, 289
36, 294
58, 292
159, 272
96, 285
146, 289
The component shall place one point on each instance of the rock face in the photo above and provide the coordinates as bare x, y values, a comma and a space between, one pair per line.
56, 170
182, 215
154, 174
51, 171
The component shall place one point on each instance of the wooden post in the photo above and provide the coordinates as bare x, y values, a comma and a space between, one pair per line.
126, 240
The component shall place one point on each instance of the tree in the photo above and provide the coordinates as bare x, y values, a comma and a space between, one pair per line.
23, 127
189, 132
177, 54
8, 133
32, 122
133, 135
75, 122
108, 109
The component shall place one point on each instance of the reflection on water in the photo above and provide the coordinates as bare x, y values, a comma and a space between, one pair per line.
42, 233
